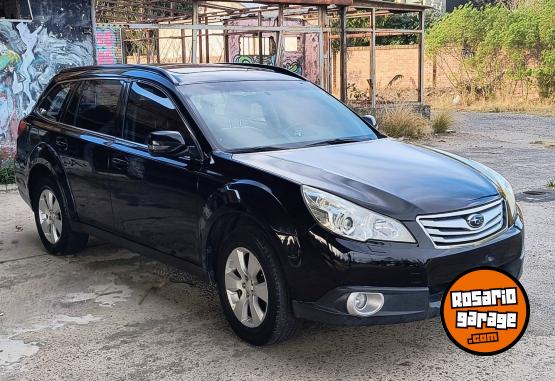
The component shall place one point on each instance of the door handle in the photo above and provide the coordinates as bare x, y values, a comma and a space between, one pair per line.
120, 163
61, 142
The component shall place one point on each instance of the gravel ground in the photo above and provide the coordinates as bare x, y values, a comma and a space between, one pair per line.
110, 314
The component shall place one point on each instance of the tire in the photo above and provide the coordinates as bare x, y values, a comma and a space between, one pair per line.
55, 242
278, 322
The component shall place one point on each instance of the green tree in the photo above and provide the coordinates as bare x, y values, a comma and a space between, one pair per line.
496, 49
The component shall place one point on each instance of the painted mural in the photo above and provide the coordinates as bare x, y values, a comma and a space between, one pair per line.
32, 52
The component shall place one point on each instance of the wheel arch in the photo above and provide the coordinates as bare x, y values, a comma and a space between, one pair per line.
249, 203
44, 161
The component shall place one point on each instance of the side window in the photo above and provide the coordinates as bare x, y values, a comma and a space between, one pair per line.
149, 109
52, 104
94, 106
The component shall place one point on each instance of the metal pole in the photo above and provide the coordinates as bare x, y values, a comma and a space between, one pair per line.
157, 45
207, 35
226, 46
343, 55
280, 36
421, 60
373, 60
260, 38
183, 47
194, 58
148, 45
321, 53
200, 37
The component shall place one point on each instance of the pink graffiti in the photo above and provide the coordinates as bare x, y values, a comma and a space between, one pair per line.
106, 38
105, 57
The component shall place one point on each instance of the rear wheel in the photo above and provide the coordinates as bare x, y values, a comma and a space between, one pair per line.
52, 220
252, 289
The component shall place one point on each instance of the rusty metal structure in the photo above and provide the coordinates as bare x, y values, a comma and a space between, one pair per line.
194, 31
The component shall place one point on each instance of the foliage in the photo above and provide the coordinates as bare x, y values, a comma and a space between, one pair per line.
497, 50
7, 165
355, 93
551, 184
403, 122
7, 172
442, 121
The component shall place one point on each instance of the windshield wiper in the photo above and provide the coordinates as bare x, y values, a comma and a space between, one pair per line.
313, 144
257, 149
334, 141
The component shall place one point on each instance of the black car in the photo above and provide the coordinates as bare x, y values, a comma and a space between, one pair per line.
259, 181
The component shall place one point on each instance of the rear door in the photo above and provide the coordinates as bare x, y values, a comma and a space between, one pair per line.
154, 198
85, 149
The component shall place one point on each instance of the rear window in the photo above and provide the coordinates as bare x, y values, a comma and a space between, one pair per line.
52, 104
95, 105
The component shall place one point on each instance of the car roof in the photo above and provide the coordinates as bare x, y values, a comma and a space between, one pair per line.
181, 74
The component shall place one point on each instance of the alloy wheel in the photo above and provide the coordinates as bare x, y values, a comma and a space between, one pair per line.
50, 216
246, 287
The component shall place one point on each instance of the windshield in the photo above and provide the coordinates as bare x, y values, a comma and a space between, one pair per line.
264, 115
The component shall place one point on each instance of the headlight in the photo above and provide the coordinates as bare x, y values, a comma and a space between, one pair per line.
349, 220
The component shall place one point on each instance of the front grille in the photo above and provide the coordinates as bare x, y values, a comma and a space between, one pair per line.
452, 229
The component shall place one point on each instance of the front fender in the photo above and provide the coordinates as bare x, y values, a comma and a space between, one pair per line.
252, 200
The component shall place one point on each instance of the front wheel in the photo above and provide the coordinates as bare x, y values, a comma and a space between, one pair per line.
252, 289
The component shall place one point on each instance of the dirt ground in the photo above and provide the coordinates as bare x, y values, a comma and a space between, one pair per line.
109, 314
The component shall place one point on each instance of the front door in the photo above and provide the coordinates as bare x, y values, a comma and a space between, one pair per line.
154, 199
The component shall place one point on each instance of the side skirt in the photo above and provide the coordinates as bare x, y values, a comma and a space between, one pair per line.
144, 250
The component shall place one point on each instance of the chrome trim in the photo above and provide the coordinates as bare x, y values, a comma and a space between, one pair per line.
426, 226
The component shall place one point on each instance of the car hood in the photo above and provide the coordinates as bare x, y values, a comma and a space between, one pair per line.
387, 176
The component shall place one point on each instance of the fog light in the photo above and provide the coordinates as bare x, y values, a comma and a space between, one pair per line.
364, 303
360, 301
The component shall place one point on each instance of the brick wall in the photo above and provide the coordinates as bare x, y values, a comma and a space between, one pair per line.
396, 71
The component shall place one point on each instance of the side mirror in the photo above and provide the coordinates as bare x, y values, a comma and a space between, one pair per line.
168, 143
371, 120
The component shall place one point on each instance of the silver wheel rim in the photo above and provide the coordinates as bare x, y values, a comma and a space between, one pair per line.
247, 291
50, 216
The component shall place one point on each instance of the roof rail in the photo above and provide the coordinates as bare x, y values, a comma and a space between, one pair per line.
151, 68
276, 69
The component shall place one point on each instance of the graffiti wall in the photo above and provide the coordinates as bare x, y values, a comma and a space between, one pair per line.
59, 36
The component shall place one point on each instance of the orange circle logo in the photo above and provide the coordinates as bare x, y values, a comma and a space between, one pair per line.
485, 311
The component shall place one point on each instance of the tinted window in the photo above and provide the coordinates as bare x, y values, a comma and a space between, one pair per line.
95, 106
245, 115
52, 104
149, 109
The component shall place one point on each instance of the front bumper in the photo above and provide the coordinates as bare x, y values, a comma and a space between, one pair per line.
412, 279
401, 304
